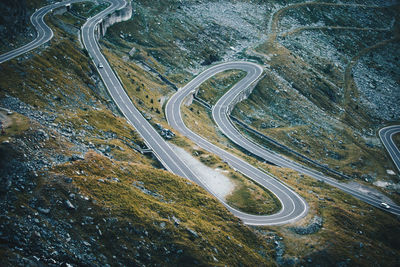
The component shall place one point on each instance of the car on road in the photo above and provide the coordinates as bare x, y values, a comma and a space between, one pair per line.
384, 205
100, 66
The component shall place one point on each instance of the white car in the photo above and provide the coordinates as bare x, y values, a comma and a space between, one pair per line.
384, 205
100, 66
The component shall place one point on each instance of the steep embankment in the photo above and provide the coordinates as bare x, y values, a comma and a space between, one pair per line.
75, 189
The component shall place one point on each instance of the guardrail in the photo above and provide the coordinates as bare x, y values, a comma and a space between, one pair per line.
162, 77
202, 102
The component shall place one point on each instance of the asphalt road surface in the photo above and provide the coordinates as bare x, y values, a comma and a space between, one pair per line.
220, 112
44, 33
386, 134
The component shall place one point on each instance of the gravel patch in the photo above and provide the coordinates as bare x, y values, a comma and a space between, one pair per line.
213, 178
376, 76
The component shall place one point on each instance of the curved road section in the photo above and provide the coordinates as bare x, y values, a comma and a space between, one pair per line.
386, 134
44, 33
220, 114
160, 148
293, 206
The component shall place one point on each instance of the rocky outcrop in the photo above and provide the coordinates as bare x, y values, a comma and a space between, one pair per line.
313, 227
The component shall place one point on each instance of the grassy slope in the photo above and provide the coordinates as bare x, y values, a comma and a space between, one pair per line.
176, 197
340, 148
144, 223
147, 91
344, 217
127, 221
351, 229
212, 89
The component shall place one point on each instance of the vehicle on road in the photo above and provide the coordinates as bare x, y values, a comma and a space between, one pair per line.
384, 205
100, 66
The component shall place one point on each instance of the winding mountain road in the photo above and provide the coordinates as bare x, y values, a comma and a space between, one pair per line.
44, 32
293, 206
386, 134
220, 113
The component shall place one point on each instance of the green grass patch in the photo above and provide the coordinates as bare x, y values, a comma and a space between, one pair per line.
251, 198
215, 87
70, 19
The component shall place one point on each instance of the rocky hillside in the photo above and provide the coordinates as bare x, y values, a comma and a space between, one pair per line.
332, 84
77, 190
321, 96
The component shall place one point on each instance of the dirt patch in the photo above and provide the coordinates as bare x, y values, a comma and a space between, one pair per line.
5, 121
213, 178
